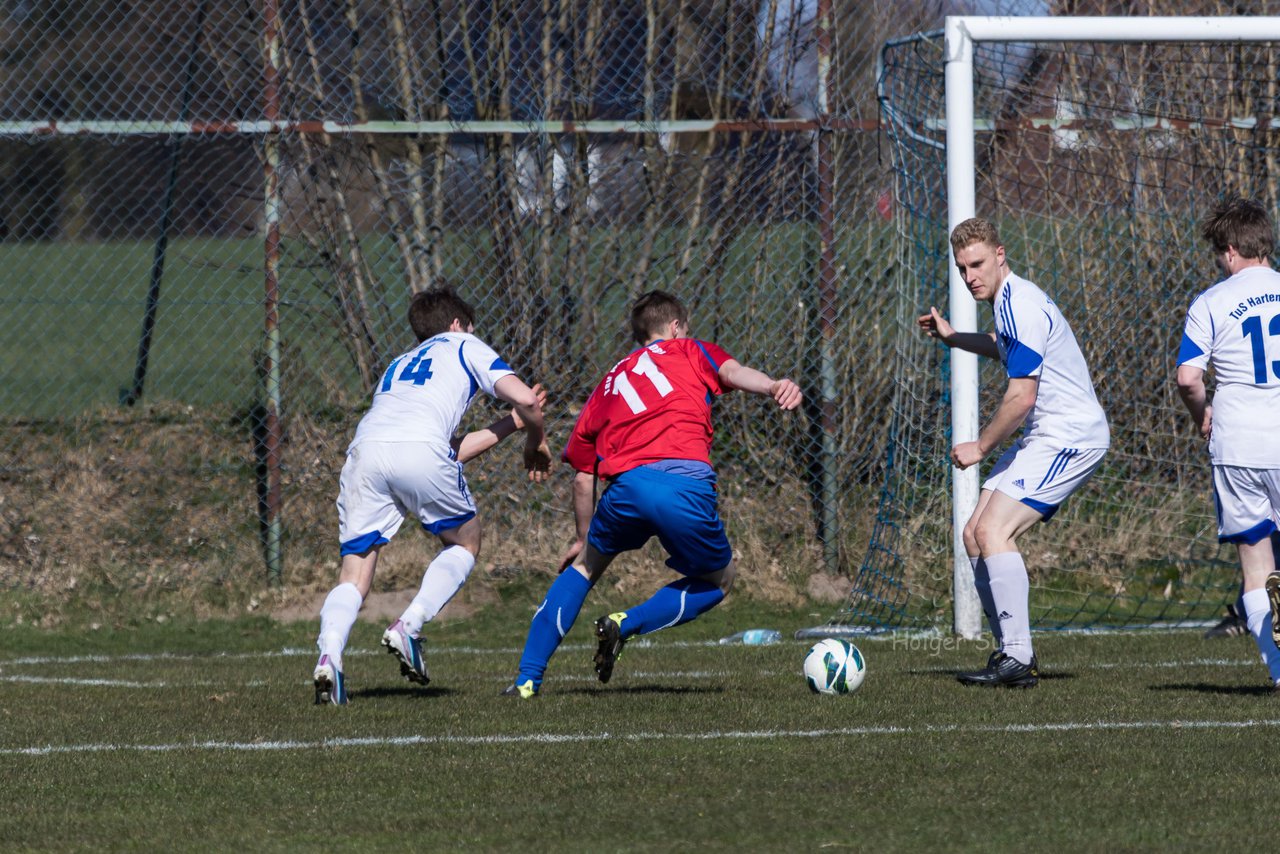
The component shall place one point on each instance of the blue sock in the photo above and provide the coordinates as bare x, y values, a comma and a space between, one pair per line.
678, 602
551, 623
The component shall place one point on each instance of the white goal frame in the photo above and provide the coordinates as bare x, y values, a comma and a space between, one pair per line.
961, 33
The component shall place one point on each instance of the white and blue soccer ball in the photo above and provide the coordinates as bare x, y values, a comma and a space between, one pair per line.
834, 666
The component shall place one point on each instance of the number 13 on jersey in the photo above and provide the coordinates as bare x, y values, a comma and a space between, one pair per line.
1252, 329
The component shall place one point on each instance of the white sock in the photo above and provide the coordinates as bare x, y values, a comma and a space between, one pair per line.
442, 579
337, 616
982, 581
1257, 612
1010, 591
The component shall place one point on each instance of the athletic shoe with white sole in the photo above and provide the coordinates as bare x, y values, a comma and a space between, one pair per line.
408, 650
331, 687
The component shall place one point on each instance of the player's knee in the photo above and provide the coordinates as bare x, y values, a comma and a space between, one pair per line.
990, 538
725, 578
467, 536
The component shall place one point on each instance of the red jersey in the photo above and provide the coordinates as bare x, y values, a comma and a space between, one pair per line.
654, 405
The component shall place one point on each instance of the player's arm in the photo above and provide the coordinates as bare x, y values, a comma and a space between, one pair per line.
1195, 397
477, 442
583, 507
734, 374
1019, 397
537, 453
936, 326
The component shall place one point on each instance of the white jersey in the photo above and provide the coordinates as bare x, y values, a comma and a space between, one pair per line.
1035, 340
1234, 327
424, 393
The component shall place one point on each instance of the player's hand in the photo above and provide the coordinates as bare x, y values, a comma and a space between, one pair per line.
935, 325
966, 454
541, 393
1206, 426
571, 554
786, 393
537, 460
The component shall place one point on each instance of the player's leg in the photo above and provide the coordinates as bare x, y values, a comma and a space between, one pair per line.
981, 578
1246, 519
1002, 521
1272, 583
555, 616
430, 482
1258, 568
981, 575
1028, 485
443, 578
684, 513
337, 616
368, 517
616, 527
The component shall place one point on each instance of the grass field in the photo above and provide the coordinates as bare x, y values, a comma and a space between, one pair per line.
204, 736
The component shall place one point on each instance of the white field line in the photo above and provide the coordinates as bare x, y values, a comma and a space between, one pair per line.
567, 678
580, 738
129, 683
295, 652
109, 683
262, 683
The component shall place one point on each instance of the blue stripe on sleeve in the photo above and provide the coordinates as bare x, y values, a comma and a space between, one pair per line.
1022, 361
1189, 350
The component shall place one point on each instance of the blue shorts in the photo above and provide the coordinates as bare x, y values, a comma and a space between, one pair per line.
680, 511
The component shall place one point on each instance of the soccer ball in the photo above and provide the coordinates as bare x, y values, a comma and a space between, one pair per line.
834, 666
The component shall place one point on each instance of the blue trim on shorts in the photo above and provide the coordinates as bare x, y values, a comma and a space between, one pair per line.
445, 524
361, 544
1046, 511
1256, 534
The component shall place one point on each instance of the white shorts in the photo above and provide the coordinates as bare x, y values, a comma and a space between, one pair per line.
1042, 474
382, 482
1248, 502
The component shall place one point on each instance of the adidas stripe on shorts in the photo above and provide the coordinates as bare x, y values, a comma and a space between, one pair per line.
1042, 474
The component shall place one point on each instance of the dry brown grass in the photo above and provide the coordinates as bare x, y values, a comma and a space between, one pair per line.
155, 511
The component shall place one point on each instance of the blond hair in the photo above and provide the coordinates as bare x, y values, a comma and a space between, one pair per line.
974, 230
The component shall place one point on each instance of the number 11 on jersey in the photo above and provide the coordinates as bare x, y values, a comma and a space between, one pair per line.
644, 367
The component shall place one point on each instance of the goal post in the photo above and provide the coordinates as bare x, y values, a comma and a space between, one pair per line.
1095, 144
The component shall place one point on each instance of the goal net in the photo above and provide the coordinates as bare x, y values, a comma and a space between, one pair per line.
1096, 159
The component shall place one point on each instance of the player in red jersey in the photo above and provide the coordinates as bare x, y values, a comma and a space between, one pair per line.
646, 430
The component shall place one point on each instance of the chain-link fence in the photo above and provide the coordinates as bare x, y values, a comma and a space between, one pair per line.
215, 213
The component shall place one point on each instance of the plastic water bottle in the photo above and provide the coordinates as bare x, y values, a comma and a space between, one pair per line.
754, 637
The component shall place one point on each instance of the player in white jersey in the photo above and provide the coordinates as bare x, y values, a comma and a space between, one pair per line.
1065, 437
1233, 328
405, 461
